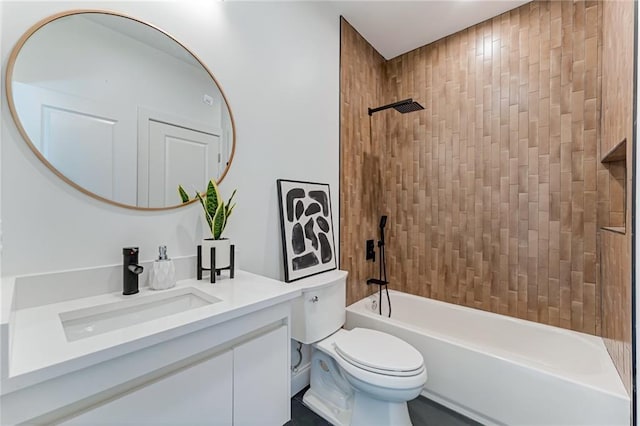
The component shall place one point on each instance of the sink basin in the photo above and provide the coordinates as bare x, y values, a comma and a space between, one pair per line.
87, 322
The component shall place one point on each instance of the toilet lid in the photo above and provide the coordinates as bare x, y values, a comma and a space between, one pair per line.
379, 352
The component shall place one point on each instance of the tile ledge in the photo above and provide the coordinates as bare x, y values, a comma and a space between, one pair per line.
616, 229
616, 153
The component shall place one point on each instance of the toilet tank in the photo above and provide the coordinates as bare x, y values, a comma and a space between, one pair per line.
320, 310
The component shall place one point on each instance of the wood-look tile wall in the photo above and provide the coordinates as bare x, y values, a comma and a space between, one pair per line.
616, 301
361, 85
615, 182
491, 190
617, 58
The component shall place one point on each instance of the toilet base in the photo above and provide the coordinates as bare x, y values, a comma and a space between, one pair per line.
330, 395
334, 415
366, 411
333, 397
370, 411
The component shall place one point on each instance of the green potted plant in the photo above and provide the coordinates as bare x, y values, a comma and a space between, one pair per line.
216, 213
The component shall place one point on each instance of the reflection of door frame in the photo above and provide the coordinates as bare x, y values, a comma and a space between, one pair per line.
144, 116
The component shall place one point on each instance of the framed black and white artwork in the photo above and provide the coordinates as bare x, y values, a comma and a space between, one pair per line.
307, 228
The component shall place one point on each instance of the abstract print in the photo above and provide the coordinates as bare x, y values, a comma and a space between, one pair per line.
307, 228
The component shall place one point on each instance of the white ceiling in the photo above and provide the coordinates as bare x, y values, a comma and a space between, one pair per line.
144, 34
394, 27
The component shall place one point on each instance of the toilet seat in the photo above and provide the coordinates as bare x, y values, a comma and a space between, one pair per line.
382, 380
379, 371
379, 353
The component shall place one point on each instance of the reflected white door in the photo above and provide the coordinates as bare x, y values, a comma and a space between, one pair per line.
81, 147
179, 156
86, 141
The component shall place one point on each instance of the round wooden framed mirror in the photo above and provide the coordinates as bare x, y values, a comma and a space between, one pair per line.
119, 109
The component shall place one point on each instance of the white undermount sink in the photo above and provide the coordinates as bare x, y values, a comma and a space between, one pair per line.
87, 322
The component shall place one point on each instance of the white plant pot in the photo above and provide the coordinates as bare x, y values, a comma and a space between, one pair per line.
222, 247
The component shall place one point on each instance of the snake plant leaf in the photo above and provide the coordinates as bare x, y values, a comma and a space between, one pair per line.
233, 194
206, 213
219, 220
228, 213
213, 198
183, 194
216, 212
229, 207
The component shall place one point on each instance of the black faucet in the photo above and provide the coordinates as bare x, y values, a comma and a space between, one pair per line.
131, 270
382, 281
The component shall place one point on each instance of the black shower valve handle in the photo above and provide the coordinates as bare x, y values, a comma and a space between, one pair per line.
370, 251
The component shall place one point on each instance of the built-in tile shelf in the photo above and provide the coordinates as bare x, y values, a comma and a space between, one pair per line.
616, 229
616, 153
615, 161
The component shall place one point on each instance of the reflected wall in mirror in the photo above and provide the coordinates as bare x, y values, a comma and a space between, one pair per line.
119, 109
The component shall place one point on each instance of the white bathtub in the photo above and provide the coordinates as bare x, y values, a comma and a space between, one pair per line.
501, 370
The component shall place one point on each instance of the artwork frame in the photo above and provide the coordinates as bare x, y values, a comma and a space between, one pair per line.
306, 248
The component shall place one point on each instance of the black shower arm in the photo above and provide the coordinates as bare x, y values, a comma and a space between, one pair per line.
393, 105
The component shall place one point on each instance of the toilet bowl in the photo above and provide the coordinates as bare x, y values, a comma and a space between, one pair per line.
381, 371
359, 376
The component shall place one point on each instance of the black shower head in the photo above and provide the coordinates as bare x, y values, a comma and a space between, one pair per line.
408, 105
383, 221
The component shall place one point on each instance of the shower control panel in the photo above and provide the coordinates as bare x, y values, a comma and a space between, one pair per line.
371, 250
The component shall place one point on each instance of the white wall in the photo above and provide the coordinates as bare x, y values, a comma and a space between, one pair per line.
278, 64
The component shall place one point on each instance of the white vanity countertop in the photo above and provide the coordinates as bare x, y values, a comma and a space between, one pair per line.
38, 340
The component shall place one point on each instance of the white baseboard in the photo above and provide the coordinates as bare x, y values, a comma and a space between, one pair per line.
301, 378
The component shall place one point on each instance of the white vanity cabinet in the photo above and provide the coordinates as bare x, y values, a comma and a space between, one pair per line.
198, 394
261, 380
225, 363
245, 386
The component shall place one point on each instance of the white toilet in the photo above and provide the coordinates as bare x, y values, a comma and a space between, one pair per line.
359, 377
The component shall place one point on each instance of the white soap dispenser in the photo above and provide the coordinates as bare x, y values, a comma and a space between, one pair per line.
163, 274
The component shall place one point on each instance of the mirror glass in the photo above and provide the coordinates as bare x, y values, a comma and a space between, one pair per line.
119, 109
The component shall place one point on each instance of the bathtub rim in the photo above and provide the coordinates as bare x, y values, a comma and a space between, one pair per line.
594, 340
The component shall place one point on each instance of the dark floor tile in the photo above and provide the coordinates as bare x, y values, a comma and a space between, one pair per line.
423, 412
303, 416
